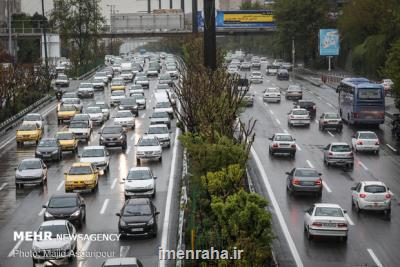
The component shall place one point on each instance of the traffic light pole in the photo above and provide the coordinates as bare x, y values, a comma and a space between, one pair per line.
210, 42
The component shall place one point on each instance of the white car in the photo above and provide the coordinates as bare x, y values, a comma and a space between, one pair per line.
105, 109
81, 129
98, 83
61, 243
165, 107
101, 75
76, 102
371, 195
95, 113
272, 94
326, 220
256, 77
161, 132
86, 90
98, 156
143, 81
298, 117
148, 147
282, 143
136, 89
172, 71
34, 118
116, 97
232, 69
365, 141
140, 100
159, 117
127, 75
140, 181
125, 118
62, 80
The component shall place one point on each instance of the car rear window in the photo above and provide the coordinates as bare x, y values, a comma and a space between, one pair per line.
375, 189
340, 148
328, 211
367, 136
306, 173
283, 138
331, 116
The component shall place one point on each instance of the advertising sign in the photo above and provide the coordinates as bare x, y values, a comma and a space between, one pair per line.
329, 42
245, 19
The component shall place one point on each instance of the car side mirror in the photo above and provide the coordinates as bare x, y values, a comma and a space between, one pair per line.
118, 214
319, 174
44, 206
155, 177
83, 205
270, 138
288, 173
157, 212
344, 211
65, 173
353, 188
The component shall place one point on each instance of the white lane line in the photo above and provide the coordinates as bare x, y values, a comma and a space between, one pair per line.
168, 202
374, 257
86, 246
326, 187
3, 186
277, 210
392, 148
41, 212
123, 251
285, 131
309, 164
142, 116
128, 150
114, 183
316, 121
298, 147
12, 252
319, 97
362, 165
270, 111
60, 185
104, 207
278, 121
349, 219
331, 134
329, 104
132, 137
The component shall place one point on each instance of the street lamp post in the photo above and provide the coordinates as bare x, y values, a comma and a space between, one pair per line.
210, 42
46, 61
194, 16
9, 27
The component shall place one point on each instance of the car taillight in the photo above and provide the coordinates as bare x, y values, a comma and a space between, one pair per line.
314, 107
388, 196
325, 122
342, 225
275, 145
318, 182
296, 181
356, 114
330, 154
351, 154
291, 116
317, 224
377, 143
359, 142
362, 195
293, 145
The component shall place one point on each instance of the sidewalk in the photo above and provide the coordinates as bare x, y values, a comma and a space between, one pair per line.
315, 78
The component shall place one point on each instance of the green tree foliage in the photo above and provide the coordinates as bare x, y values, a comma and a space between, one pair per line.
392, 70
249, 5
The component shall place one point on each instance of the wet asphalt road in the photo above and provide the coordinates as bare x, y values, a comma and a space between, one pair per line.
373, 240
21, 210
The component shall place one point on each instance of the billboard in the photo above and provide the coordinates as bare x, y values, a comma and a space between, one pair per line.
328, 42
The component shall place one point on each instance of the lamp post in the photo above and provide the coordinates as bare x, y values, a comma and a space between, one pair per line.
44, 25
210, 42
194, 16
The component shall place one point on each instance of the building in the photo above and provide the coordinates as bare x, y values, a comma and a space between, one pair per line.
15, 7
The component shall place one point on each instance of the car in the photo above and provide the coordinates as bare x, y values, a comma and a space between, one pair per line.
282, 143
366, 141
148, 147
28, 133
117, 85
81, 130
105, 109
95, 114
122, 262
49, 149
165, 79
143, 81
233, 69
66, 112
305, 180
272, 94
103, 76
62, 243
82, 117
371, 195
164, 105
245, 66
68, 141
248, 99
294, 92
34, 118
330, 120
256, 77
125, 118
298, 117
76, 102
113, 136
62, 80
66, 206
116, 97
140, 182
81, 177
277, 62
130, 104
271, 70
138, 216
338, 153
172, 71
309, 105
160, 117
127, 74
287, 66
86, 90
31, 171
255, 64
98, 83
152, 72
282, 74
109, 72
136, 89
161, 132
98, 156
140, 100
325, 219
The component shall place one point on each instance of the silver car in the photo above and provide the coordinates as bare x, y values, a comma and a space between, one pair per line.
298, 117
338, 154
98, 156
31, 171
294, 92
282, 143
86, 90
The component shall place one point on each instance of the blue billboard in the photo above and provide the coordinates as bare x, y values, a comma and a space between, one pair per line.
329, 42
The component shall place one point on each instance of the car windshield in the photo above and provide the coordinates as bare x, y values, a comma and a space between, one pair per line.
148, 142
163, 105
306, 104
158, 130
124, 114
284, 137
47, 143
171, 68
80, 170
300, 112
98, 80
85, 85
272, 90
62, 77
116, 83
32, 117
340, 148
93, 152
30, 165
69, 95
160, 115
100, 74
306, 173
137, 210
126, 72
374, 189
256, 74
137, 96
111, 130
27, 127
367, 136
55, 230
80, 124
369, 94
141, 78
65, 136
332, 116
92, 110
67, 108
136, 87
63, 202
139, 175
328, 211
102, 105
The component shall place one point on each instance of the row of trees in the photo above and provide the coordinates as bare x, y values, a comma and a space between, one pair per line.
222, 213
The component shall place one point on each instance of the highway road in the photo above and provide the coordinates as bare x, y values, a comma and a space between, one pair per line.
21, 209
373, 239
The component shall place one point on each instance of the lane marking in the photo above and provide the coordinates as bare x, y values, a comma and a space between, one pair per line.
392, 148
86, 246
123, 251
329, 104
142, 116
270, 111
362, 165
331, 134
349, 219
132, 137
374, 257
277, 210
326, 186
319, 97
12, 252
128, 150
278, 121
104, 207
41, 212
298, 147
285, 131
309, 164
113, 183
316, 121
3, 186
60, 185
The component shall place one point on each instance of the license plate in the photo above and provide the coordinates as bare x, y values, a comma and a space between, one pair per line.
308, 183
79, 190
111, 143
137, 230
330, 224
46, 156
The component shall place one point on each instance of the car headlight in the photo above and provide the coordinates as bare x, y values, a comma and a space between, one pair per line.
151, 221
38, 152
121, 137
122, 223
76, 213
54, 152
102, 138
48, 215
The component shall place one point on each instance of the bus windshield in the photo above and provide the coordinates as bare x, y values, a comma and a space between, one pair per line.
369, 94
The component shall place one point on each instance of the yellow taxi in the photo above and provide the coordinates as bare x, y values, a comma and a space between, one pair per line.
66, 112
67, 141
117, 85
81, 176
29, 132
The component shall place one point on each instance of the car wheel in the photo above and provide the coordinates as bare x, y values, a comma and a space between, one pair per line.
160, 159
352, 202
377, 152
357, 207
124, 145
138, 162
293, 155
321, 127
388, 212
318, 194
309, 236
76, 150
343, 238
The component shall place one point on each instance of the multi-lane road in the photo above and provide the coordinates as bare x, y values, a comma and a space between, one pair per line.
21, 209
373, 240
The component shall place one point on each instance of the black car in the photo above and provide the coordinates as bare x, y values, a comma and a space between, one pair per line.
49, 149
306, 180
67, 206
113, 136
309, 105
282, 74
138, 217
129, 103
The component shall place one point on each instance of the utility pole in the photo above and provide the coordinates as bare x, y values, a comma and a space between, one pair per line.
148, 6
293, 54
183, 6
10, 51
210, 42
170, 4
44, 25
194, 16
159, 4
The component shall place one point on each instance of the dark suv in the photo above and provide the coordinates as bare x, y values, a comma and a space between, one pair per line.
49, 149
138, 217
113, 136
308, 105
282, 74
68, 206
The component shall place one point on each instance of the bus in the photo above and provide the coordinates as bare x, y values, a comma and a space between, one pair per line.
361, 101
